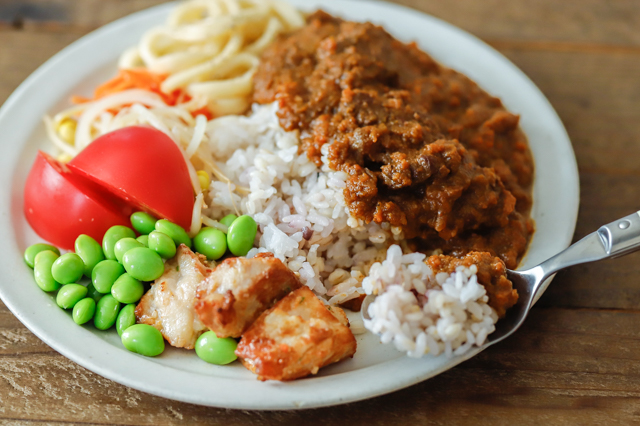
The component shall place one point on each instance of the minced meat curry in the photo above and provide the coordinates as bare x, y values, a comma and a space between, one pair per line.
425, 148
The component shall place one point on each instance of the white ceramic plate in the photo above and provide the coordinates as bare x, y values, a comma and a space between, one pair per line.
179, 374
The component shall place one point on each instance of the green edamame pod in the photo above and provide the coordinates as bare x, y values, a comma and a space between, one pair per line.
106, 312
84, 310
68, 268
70, 294
127, 289
176, 232
89, 251
143, 339
216, 350
32, 251
228, 219
143, 222
42, 270
211, 242
112, 236
241, 235
143, 264
162, 244
124, 245
104, 274
126, 318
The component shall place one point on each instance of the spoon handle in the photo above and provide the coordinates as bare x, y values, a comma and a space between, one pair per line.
614, 239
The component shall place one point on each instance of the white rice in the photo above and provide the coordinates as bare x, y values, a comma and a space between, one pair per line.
423, 313
290, 197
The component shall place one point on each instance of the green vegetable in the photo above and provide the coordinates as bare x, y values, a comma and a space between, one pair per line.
68, 268
215, 350
176, 232
241, 234
89, 251
162, 244
83, 310
211, 242
124, 245
70, 294
106, 312
42, 270
228, 219
112, 236
143, 264
126, 318
143, 339
31, 252
144, 240
105, 274
93, 293
143, 222
127, 289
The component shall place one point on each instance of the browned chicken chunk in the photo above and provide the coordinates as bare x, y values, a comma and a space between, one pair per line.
295, 338
168, 305
239, 290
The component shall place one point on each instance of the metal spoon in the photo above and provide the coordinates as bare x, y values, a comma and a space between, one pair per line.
615, 239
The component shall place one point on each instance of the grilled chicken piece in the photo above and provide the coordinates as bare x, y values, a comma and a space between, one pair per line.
295, 338
168, 305
239, 290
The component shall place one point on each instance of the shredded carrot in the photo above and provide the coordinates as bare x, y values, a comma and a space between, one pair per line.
141, 79
202, 111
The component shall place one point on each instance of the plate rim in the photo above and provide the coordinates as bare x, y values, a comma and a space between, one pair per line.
302, 386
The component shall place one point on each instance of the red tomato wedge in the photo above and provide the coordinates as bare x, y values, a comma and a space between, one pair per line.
144, 167
60, 205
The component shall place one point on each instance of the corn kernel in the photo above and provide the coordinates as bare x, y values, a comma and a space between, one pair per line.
64, 157
204, 179
67, 130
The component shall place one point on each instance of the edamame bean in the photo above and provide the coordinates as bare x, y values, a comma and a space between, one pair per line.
144, 240
42, 270
83, 310
241, 234
105, 274
89, 251
93, 293
143, 264
143, 339
162, 244
143, 222
70, 294
68, 268
127, 289
228, 219
32, 251
126, 318
106, 312
112, 236
215, 350
124, 245
211, 242
176, 232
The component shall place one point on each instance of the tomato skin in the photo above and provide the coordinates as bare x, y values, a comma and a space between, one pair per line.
59, 205
144, 167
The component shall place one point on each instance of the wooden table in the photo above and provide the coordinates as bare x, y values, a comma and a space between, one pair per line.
577, 358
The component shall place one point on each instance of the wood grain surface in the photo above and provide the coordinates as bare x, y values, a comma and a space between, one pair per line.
577, 358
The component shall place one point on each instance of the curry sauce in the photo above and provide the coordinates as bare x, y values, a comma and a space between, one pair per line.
424, 147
